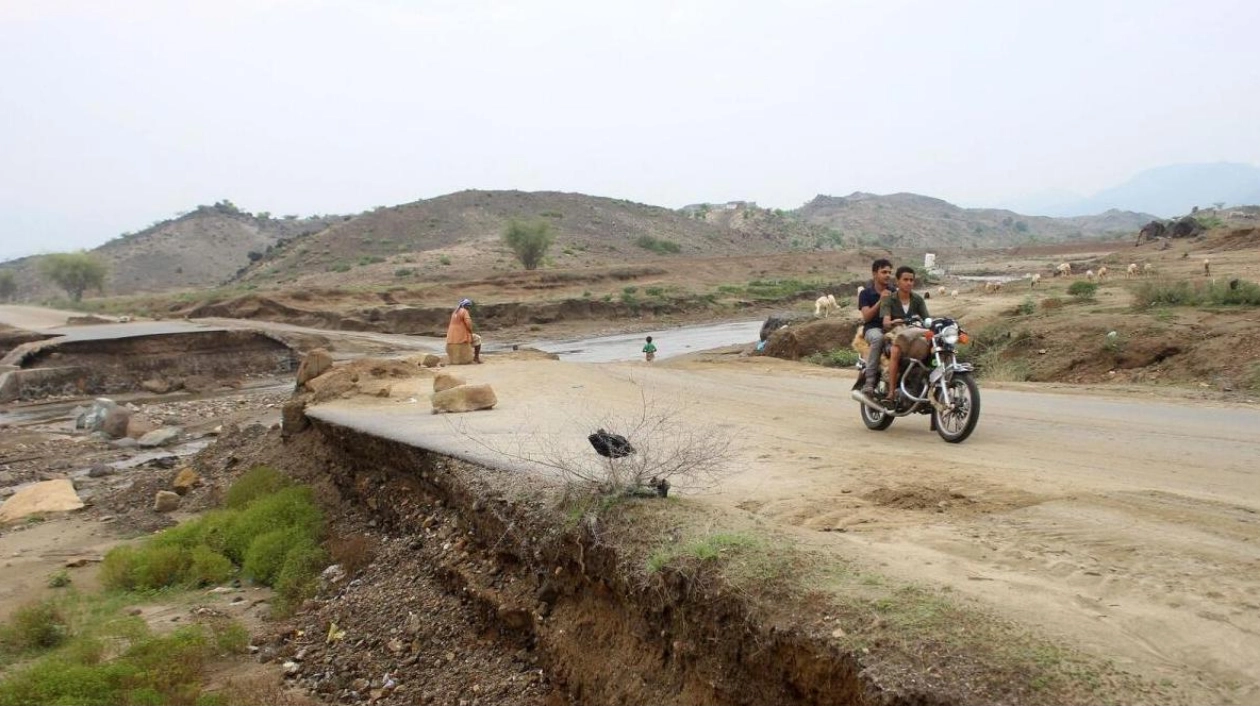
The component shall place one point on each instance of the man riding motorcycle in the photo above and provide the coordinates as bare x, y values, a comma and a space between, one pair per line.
894, 311
869, 299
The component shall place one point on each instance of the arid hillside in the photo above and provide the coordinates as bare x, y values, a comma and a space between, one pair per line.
914, 221
201, 248
459, 236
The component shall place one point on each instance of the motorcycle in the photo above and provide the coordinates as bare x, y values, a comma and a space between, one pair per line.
938, 385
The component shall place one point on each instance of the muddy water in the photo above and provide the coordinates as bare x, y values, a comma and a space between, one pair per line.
669, 342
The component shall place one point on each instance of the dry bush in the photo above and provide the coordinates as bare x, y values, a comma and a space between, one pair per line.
353, 552
670, 451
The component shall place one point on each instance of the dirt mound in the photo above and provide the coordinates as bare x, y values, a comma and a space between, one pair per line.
795, 342
1239, 239
918, 498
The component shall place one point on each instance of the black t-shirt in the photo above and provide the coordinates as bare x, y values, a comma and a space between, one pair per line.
866, 298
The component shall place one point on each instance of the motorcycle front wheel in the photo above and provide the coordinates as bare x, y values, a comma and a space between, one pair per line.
957, 424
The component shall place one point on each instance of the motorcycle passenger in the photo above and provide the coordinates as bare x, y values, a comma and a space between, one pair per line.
894, 311
874, 292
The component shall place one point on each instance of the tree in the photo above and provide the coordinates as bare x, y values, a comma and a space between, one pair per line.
529, 241
8, 287
74, 272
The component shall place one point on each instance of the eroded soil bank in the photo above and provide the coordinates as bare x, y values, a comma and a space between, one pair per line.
485, 594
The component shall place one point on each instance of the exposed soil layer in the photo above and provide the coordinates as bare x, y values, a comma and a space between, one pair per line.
110, 366
550, 602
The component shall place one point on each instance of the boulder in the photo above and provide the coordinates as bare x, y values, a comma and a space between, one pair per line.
465, 398
445, 381
93, 418
293, 417
156, 385
313, 366
43, 497
185, 480
139, 426
99, 470
115, 423
432, 361
159, 437
165, 501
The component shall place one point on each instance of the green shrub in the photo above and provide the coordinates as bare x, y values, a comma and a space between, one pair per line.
404, 272
208, 567
1083, 289
37, 626
259, 481
658, 245
654, 291
444, 259
840, 358
59, 579
1183, 293
1026, 307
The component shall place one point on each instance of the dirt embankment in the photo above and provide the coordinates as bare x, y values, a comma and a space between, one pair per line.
540, 596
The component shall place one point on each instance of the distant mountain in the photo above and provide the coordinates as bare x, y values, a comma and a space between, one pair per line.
1166, 191
914, 221
458, 236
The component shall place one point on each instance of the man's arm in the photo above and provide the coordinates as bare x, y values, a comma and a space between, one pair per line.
886, 313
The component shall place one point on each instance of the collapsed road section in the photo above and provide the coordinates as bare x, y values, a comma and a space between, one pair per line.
79, 366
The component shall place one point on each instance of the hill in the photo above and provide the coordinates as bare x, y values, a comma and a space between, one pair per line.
914, 221
199, 249
458, 236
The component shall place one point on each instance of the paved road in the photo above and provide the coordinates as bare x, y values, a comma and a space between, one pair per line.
1130, 527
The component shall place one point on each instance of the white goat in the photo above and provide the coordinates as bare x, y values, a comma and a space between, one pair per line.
1034, 280
992, 286
1089, 275
953, 293
1207, 268
940, 290
823, 306
1132, 270
1064, 269
1102, 272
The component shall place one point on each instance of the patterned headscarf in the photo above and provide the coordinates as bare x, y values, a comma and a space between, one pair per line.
463, 303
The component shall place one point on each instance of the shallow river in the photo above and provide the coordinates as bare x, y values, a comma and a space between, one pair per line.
669, 342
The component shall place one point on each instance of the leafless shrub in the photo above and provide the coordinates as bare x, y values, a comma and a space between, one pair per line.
670, 451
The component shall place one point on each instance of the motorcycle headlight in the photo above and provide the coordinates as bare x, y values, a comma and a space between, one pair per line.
950, 334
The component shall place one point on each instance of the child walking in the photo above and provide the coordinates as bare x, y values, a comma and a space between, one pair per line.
649, 350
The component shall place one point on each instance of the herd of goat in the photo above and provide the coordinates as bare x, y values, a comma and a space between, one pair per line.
826, 304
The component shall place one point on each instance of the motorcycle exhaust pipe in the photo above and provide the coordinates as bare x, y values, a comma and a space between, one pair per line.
865, 400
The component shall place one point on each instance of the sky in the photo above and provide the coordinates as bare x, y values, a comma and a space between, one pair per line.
116, 114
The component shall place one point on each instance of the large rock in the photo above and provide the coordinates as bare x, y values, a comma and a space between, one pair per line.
115, 423
93, 418
43, 497
156, 385
293, 417
445, 381
139, 426
313, 366
159, 437
432, 361
165, 501
819, 336
465, 398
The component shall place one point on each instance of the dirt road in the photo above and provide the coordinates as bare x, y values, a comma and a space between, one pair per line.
1128, 527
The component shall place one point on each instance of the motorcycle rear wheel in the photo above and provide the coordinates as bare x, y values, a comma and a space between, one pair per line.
957, 425
874, 418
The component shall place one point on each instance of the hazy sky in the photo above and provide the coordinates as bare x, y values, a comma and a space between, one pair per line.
116, 114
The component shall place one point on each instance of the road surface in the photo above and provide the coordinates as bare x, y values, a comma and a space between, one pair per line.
1129, 527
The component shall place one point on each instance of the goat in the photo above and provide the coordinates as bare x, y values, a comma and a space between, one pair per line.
1064, 269
1132, 270
992, 286
1148, 269
940, 290
953, 293
1089, 275
1102, 272
824, 305
1036, 278
1207, 268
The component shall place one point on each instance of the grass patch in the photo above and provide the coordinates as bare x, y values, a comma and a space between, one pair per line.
658, 245
840, 358
101, 656
1183, 293
270, 528
1083, 289
992, 352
